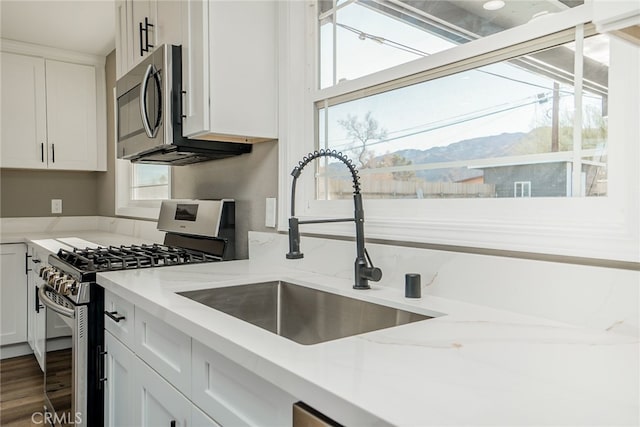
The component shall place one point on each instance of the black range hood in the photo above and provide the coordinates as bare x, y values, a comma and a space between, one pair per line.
185, 151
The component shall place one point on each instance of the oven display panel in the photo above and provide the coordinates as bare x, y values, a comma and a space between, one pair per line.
186, 212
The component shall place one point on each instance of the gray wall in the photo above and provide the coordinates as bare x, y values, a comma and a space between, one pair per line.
105, 183
28, 193
249, 179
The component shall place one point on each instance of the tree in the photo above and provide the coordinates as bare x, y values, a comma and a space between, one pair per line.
390, 160
361, 133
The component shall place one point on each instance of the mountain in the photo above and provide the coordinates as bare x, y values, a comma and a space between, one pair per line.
476, 148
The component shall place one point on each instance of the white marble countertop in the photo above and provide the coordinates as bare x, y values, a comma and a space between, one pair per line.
99, 237
471, 366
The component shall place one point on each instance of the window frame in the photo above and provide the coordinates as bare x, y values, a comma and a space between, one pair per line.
594, 227
125, 205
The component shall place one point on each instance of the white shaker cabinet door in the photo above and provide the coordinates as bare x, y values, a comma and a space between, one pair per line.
143, 29
195, 66
35, 308
119, 387
13, 294
168, 25
124, 35
23, 134
157, 403
39, 326
71, 116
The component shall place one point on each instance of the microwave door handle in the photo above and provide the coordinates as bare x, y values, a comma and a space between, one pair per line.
151, 133
156, 78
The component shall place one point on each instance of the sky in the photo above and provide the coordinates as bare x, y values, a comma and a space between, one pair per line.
496, 99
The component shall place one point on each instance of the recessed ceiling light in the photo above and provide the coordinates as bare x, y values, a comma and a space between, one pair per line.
493, 5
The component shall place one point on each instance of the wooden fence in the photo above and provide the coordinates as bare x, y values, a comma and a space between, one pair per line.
390, 189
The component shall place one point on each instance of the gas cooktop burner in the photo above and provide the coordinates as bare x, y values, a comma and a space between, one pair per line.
131, 257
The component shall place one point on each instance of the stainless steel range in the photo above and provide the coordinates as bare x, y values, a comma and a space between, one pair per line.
197, 231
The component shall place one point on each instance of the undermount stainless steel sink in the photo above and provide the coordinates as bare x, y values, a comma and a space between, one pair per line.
301, 314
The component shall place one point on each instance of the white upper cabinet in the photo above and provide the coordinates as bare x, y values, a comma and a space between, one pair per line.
53, 110
240, 80
24, 120
71, 116
195, 66
124, 48
143, 25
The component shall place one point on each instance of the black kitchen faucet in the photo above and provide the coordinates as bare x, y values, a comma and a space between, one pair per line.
364, 269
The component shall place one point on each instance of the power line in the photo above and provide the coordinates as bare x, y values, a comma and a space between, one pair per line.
449, 123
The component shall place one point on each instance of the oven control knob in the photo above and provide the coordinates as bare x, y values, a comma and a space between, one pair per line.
50, 273
58, 280
44, 269
62, 286
51, 278
54, 282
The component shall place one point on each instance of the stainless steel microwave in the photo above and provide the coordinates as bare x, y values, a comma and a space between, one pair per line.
149, 115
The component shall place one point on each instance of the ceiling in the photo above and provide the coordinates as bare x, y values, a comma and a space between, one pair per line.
86, 26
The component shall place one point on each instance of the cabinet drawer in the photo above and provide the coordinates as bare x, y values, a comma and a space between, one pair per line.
164, 348
233, 396
119, 320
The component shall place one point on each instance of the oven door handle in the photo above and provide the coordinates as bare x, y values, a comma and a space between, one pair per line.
67, 312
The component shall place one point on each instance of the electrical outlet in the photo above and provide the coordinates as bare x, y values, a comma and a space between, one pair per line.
270, 212
56, 206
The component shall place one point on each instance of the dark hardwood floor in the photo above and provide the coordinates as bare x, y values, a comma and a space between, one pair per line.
21, 391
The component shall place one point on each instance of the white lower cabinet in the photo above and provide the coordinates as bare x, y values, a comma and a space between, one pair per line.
146, 384
35, 309
136, 395
157, 403
13, 293
119, 387
233, 395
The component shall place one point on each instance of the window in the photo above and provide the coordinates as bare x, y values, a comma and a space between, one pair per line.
140, 188
471, 133
522, 189
357, 38
149, 182
551, 100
